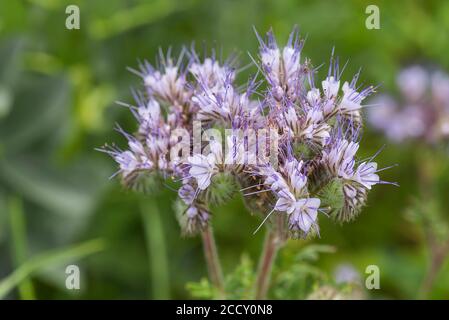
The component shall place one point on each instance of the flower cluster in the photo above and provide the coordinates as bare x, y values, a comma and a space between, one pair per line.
424, 111
290, 146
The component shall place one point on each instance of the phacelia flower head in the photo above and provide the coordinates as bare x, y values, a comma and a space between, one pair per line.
290, 148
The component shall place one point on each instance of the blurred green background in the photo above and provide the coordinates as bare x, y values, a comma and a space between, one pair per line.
57, 93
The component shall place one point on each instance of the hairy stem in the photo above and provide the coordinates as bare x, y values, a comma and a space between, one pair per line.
437, 252
212, 261
273, 241
438, 256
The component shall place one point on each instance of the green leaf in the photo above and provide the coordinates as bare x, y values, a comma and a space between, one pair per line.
240, 283
46, 187
202, 289
19, 240
48, 259
311, 252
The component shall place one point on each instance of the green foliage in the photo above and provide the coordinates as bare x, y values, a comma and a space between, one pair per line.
297, 272
202, 289
48, 259
20, 246
295, 276
239, 284
336, 292
429, 216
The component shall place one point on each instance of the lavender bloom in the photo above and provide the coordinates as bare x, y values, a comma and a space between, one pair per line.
292, 147
282, 66
413, 82
167, 84
210, 73
292, 194
422, 112
339, 162
202, 167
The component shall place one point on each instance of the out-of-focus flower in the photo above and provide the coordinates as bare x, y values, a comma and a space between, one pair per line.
422, 112
346, 273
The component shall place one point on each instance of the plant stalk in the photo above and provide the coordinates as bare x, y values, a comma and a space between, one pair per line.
273, 241
212, 261
438, 256
156, 250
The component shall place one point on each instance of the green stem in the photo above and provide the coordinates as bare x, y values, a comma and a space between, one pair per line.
156, 251
273, 241
265, 265
438, 254
212, 261
19, 244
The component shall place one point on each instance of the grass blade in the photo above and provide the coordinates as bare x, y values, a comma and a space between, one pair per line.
50, 258
19, 243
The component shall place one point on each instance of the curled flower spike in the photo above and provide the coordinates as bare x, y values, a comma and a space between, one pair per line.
290, 148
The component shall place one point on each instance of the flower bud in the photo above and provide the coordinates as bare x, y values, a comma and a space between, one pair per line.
222, 188
332, 196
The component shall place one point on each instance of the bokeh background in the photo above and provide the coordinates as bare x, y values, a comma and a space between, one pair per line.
57, 93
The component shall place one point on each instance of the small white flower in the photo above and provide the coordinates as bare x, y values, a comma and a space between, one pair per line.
136, 147
330, 87
296, 179
292, 120
291, 58
168, 86
340, 158
314, 128
303, 212
286, 203
313, 96
366, 174
210, 73
127, 161
271, 61
215, 103
150, 114
275, 181
202, 169
351, 100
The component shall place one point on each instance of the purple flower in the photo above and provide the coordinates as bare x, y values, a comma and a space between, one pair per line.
421, 113
289, 145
